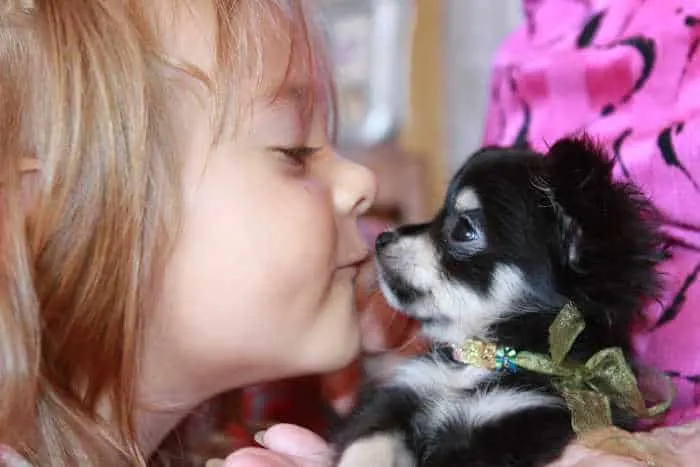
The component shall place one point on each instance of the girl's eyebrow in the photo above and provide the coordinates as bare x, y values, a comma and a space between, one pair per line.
297, 96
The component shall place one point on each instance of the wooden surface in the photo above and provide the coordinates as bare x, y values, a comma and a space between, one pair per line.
424, 132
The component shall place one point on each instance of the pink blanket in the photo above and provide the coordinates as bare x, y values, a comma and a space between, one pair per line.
627, 72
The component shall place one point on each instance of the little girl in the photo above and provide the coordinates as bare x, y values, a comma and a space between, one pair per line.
175, 221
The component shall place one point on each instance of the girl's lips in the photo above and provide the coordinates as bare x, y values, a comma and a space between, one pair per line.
356, 261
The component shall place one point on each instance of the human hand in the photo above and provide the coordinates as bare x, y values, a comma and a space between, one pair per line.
580, 456
677, 446
284, 446
293, 446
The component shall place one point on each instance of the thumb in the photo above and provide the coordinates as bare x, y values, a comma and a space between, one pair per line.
296, 441
256, 457
287, 446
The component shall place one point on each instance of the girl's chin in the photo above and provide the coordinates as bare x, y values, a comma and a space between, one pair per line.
341, 353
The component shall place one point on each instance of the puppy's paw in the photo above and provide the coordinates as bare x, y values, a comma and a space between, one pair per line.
377, 450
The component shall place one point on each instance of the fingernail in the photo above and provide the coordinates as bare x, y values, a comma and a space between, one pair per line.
259, 438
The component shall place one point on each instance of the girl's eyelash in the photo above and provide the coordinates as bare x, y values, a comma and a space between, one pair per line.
297, 154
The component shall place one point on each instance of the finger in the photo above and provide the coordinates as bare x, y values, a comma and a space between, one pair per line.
259, 457
580, 456
572, 456
297, 442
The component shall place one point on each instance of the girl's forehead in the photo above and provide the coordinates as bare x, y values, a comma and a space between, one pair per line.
248, 56
292, 71
208, 36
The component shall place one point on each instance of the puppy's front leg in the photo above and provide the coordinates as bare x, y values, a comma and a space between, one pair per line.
378, 432
378, 450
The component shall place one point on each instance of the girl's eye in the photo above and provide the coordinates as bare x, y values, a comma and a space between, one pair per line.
297, 155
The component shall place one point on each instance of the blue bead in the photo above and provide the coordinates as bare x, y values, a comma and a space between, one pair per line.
504, 360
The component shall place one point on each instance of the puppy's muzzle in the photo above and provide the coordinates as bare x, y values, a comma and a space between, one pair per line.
385, 239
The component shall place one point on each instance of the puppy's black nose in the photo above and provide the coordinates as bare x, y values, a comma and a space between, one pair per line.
384, 239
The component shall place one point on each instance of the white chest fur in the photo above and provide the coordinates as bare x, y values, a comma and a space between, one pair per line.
447, 396
443, 388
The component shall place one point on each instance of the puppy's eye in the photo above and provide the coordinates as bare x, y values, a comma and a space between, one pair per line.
464, 230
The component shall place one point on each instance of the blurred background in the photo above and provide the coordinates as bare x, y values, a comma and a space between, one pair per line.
413, 83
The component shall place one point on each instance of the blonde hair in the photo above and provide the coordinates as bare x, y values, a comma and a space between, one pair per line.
86, 90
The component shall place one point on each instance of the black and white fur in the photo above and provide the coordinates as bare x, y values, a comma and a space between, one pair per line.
519, 235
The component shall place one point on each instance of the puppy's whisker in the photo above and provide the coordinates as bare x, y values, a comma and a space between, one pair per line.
406, 344
399, 348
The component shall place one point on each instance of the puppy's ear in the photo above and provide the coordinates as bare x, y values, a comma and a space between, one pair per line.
579, 173
578, 165
569, 230
570, 234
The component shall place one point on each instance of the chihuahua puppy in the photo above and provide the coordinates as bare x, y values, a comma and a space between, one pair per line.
520, 235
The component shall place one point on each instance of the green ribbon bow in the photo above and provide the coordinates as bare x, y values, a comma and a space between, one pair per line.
589, 388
